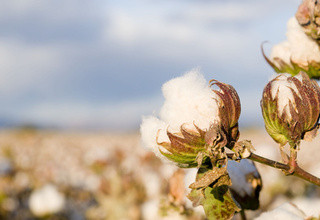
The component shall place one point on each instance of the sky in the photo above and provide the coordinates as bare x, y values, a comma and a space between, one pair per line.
100, 64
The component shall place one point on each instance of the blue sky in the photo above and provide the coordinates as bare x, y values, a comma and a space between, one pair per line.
101, 64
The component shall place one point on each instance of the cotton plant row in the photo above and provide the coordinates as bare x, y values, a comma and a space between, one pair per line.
198, 124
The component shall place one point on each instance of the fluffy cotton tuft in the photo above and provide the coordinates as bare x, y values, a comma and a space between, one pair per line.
285, 211
188, 100
299, 47
149, 129
282, 87
46, 200
238, 172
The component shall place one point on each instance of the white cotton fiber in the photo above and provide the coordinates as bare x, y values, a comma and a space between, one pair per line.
150, 128
188, 100
285, 211
299, 47
282, 87
282, 51
238, 172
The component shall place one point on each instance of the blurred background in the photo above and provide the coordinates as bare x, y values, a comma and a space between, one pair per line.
76, 78
101, 64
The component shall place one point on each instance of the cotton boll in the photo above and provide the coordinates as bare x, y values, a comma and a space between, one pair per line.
239, 172
192, 111
46, 200
297, 100
299, 48
189, 99
285, 211
246, 183
304, 49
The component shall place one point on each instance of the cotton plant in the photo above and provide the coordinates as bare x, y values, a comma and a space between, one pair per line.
198, 128
198, 124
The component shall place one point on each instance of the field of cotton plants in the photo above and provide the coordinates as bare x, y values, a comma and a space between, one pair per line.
56, 175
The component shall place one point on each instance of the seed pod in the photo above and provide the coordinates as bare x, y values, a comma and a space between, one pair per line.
290, 107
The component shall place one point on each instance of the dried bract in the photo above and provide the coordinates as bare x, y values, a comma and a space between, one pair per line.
229, 109
185, 147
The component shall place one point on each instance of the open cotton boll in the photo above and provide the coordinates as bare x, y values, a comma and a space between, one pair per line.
281, 88
46, 200
192, 113
299, 48
239, 172
304, 48
189, 99
285, 211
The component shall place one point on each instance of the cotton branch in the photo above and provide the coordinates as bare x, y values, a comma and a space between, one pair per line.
298, 172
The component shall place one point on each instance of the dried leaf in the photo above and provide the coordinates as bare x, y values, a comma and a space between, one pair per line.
218, 203
208, 177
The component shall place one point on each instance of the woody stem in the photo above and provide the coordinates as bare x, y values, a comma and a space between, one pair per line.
298, 172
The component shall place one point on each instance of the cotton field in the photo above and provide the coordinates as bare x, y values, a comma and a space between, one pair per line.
64, 175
